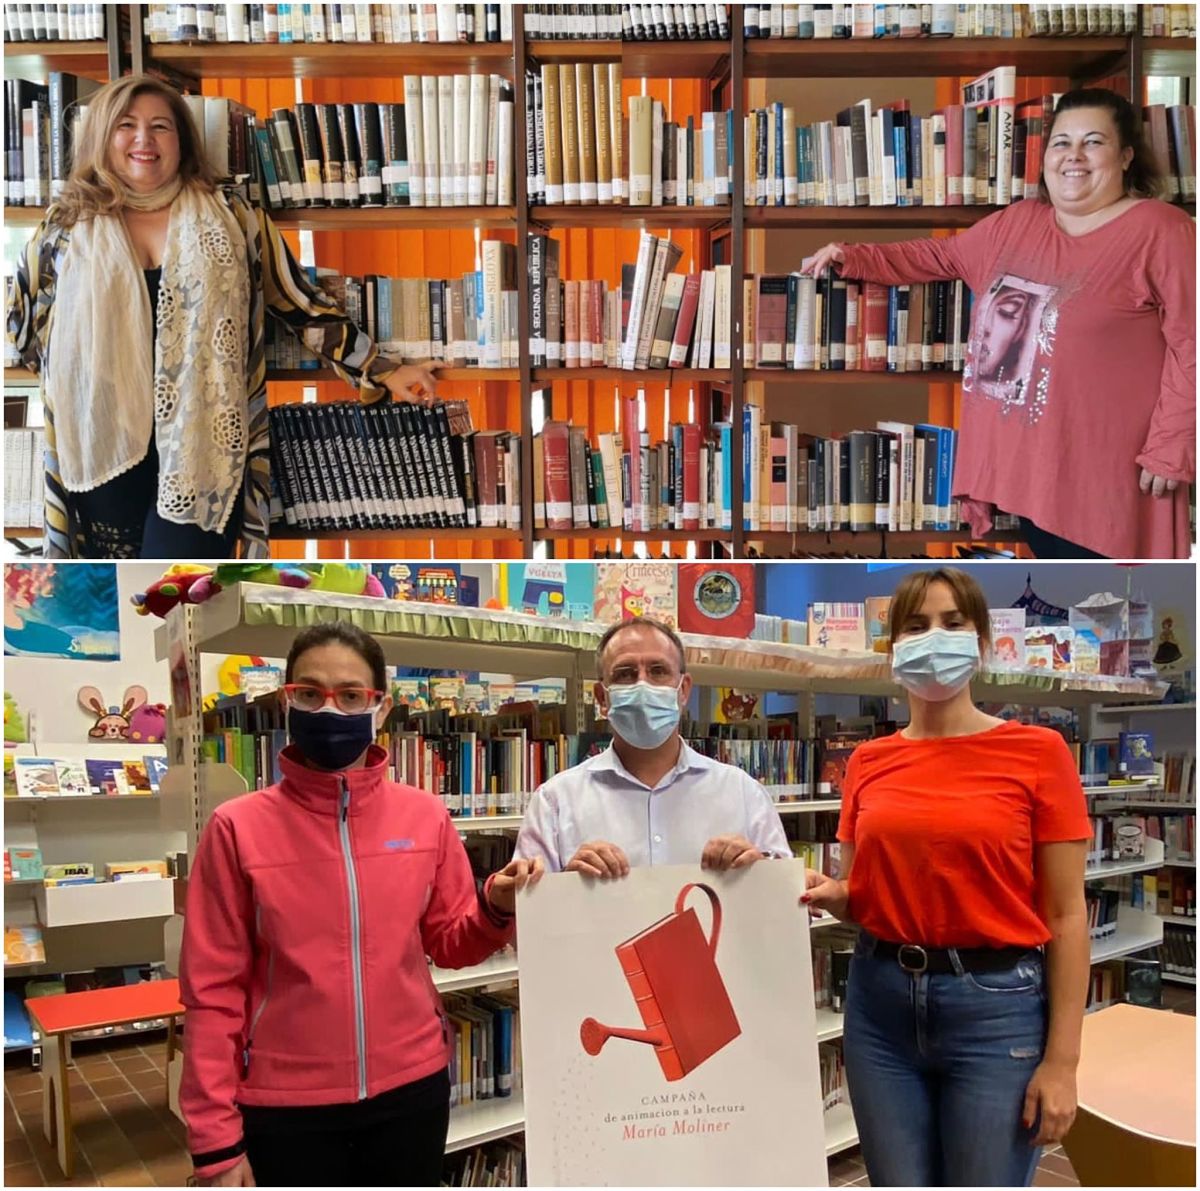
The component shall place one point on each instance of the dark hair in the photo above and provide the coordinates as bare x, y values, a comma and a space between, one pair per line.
1142, 179
640, 622
340, 632
968, 599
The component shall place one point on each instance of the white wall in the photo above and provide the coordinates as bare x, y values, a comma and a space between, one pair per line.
47, 687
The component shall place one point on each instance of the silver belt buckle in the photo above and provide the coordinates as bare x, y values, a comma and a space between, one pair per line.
919, 965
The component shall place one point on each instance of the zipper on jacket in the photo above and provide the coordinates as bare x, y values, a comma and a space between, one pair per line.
360, 1016
266, 997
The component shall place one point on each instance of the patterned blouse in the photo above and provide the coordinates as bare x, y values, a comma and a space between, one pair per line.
277, 284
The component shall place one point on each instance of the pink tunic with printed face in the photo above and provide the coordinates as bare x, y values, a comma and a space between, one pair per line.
1081, 369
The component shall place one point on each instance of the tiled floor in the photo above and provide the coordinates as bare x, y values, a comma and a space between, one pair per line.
125, 1136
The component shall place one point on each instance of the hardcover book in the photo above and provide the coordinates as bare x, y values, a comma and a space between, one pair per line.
673, 975
1137, 753
837, 626
627, 590
1008, 638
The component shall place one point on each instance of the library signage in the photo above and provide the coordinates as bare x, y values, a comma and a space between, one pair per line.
668, 1030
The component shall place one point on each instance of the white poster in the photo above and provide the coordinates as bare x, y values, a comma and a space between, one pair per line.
668, 1030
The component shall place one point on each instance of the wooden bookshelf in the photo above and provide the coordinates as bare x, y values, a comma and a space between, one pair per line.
642, 59
635, 376
622, 215
36, 59
431, 534
855, 376
879, 540
626, 535
837, 218
724, 69
1169, 55
1054, 57
378, 219
474, 375
331, 60
23, 216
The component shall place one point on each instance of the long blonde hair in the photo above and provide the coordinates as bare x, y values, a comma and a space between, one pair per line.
92, 188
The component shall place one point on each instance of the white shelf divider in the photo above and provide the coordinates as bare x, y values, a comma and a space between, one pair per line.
1117, 868
1136, 930
829, 1025
496, 969
841, 1133
485, 1120
1144, 709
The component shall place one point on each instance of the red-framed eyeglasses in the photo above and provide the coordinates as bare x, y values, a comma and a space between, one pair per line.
305, 696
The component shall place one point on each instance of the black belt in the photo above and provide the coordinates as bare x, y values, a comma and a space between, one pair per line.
915, 959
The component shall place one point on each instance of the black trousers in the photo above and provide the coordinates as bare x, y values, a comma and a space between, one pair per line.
391, 1142
1049, 545
120, 520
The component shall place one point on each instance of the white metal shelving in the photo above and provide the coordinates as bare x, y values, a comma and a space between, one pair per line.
496, 969
485, 1120
1136, 931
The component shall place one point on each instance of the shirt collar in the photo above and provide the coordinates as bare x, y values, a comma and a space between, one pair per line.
689, 759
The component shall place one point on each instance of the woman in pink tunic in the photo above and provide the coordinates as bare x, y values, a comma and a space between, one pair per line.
1079, 389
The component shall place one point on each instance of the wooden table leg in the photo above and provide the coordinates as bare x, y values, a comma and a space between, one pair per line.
56, 1100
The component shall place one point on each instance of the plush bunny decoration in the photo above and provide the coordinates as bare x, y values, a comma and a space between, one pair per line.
112, 722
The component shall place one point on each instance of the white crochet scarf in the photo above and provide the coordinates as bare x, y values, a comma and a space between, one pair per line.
107, 394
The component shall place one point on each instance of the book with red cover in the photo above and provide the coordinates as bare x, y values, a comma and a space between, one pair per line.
686, 321
875, 327
691, 476
716, 598
770, 320
556, 447
672, 972
487, 479
954, 154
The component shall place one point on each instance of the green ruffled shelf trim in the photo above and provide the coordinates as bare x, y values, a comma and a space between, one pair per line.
394, 621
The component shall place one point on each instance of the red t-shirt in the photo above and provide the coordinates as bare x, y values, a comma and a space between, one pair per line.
944, 832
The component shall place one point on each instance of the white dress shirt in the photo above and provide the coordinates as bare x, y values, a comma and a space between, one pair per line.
599, 799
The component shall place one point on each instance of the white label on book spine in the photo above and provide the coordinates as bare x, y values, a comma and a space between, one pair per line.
571, 192
370, 185
558, 510
604, 192
554, 195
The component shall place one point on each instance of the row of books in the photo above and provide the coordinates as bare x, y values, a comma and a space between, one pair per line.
28, 864
772, 762
24, 477
1101, 906
485, 1046
316, 24
497, 1164
1178, 952
48, 777
581, 148
345, 465
1135, 980
822, 856
1123, 837
627, 22
623, 482
831, 970
966, 154
1169, 892
896, 477
869, 21
834, 1088
1170, 134
41, 124
657, 319
54, 22
827, 323
449, 144
1129, 755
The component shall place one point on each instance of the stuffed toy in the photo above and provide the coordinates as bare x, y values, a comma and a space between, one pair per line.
148, 724
184, 583
112, 722
189, 584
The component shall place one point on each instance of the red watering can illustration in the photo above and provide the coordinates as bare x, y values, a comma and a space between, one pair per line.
672, 972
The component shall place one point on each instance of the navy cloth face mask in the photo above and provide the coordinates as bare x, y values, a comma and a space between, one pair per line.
331, 739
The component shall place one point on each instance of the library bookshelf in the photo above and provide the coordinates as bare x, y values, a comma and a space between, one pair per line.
264, 620
701, 75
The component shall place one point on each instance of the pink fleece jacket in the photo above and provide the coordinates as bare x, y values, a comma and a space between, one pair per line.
1081, 369
311, 909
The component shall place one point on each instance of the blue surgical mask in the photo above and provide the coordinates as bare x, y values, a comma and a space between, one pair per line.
642, 714
937, 664
329, 738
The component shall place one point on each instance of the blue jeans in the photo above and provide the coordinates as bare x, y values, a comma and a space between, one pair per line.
937, 1067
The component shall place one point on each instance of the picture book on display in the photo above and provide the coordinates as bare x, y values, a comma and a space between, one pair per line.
37, 777
107, 777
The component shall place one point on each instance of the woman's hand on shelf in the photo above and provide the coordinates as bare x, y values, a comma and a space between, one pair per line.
414, 382
815, 265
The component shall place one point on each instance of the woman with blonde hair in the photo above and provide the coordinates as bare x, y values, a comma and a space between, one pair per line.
141, 301
963, 841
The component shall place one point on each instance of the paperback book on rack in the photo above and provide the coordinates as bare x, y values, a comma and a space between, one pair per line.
650, 1033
